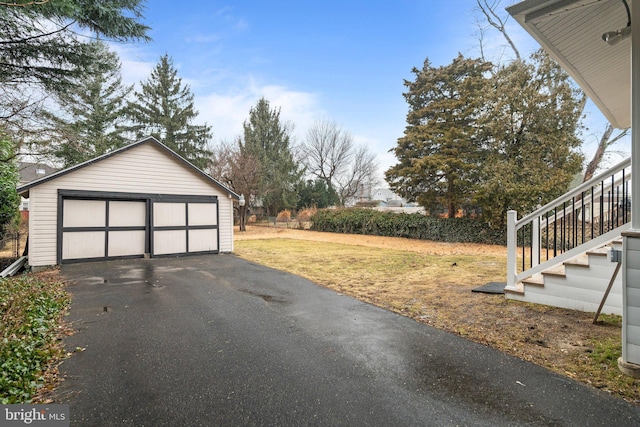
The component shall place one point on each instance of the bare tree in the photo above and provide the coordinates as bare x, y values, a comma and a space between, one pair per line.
488, 9
327, 150
330, 154
362, 175
606, 141
238, 170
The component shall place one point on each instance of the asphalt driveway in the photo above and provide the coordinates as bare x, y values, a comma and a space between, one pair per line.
215, 340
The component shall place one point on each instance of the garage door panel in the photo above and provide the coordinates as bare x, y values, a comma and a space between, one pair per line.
126, 243
119, 226
203, 240
83, 244
127, 214
84, 213
169, 242
169, 215
203, 214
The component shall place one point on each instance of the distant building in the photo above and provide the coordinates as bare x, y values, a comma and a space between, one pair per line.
387, 198
30, 172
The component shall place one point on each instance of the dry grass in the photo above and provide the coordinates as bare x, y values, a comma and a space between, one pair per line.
432, 282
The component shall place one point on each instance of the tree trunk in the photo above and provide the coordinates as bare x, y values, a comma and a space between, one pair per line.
243, 214
604, 143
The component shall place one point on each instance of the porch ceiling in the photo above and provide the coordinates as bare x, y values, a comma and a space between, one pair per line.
571, 32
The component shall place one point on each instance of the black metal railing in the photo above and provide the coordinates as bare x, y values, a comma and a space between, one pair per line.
588, 213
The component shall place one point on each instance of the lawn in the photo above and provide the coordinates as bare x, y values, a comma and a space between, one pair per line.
431, 282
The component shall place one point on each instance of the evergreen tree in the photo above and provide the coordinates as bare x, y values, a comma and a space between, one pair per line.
268, 140
438, 154
88, 122
164, 108
316, 193
530, 138
40, 43
497, 142
9, 199
44, 48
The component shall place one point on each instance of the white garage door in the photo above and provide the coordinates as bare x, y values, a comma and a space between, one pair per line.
96, 229
184, 227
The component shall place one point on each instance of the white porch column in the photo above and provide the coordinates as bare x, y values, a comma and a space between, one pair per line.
512, 217
629, 363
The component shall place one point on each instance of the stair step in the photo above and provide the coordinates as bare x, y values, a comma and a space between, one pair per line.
555, 271
603, 251
535, 280
579, 261
517, 289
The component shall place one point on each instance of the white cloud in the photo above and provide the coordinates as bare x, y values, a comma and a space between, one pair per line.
226, 112
136, 66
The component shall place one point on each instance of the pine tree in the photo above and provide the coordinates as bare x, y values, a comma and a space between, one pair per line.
45, 46
438, 154
9, 199
88, 122
268, 140
164, 108
40, 43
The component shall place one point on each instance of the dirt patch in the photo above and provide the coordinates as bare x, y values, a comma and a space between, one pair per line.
432, 281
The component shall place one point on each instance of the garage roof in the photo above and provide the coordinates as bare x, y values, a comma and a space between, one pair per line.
571, 31
24, 189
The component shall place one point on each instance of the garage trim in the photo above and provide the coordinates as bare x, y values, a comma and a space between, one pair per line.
149, 228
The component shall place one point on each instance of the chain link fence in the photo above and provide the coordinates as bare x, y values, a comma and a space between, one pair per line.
10, 244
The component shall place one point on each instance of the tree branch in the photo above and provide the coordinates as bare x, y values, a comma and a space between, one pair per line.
31, 3
28, 39
489, 11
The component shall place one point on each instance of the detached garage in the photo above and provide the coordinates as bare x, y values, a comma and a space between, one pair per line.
140, 200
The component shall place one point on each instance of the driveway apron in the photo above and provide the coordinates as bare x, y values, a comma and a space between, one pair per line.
216, 340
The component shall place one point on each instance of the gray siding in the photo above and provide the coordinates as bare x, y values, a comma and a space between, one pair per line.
631, 300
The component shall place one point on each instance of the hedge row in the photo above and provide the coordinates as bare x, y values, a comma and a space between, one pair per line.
413, 226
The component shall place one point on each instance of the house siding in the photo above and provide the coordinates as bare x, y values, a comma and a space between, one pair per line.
146, 168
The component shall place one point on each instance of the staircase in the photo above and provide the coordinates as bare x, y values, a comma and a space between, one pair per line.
558, 255
579, 283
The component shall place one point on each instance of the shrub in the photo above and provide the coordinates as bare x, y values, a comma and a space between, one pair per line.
284, 216
413, 226
30, 309
306, 214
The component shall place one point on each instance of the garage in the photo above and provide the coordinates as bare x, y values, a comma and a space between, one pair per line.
118, 206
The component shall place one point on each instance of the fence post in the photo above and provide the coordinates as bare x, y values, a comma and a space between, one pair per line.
511, 248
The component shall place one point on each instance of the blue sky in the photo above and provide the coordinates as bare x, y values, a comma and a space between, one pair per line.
339, 60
